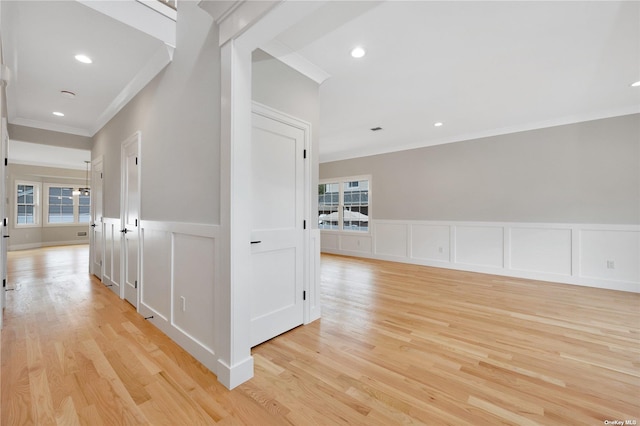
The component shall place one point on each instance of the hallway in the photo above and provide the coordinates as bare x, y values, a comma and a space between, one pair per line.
396, 344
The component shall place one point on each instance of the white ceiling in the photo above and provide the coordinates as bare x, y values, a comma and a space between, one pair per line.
40, 40
481, 68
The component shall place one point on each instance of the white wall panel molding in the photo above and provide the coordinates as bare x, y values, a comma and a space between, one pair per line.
594, 255
179, 271
312, 309
111, 236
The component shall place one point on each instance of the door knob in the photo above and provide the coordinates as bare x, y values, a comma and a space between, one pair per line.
256, 242
124, 231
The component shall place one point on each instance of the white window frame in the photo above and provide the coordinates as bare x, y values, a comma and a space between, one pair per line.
341, 181
76, 206
37, 205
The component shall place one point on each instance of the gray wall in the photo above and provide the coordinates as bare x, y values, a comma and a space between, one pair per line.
42, 235
281, 87
178, 114
579, 173
49, 137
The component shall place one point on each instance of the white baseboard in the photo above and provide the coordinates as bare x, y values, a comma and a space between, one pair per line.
602, 256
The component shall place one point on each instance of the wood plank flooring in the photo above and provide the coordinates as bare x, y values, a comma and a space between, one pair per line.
397, 344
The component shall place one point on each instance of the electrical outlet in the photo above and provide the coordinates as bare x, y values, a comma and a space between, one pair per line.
184, 303
611, 264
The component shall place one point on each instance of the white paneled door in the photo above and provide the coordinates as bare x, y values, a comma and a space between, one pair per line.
97, 229
277, 238
130, 216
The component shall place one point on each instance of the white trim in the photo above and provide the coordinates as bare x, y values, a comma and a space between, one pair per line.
199, 229
165, 321
30, 246
250, 25
296, 61
568, 267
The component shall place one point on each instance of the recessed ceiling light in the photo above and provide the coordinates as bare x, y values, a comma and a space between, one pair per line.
438, 124
358, 52
636, 84
84, 59
67, 94
58, 114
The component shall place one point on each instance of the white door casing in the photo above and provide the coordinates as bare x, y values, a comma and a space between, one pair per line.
129, 218
97, 226
4, 152
278, 224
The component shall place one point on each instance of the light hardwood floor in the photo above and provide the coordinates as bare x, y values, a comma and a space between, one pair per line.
397, 344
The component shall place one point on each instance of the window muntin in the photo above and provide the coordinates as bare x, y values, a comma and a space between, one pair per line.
343, 204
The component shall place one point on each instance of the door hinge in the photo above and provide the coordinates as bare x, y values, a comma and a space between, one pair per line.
304, 295
136, 161
4, 222
101, 263
4, 282
100, 175
304, 224
136, 284
6, 161
136, 222
304, 154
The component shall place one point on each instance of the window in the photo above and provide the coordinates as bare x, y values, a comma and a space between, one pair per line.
63, 207
27, 197
343, 204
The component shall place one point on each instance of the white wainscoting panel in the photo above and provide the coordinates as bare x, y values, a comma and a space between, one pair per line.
431, 242
181, 260
330, 240
610, 255
193, 284
156, 270
312, 308
479, 246
112, 235
355, 243
541, 250
391, 239
604, 256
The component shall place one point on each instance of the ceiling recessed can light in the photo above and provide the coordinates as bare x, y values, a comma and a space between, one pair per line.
358, 52
58, 114
636, 84
438, 124
84, 59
